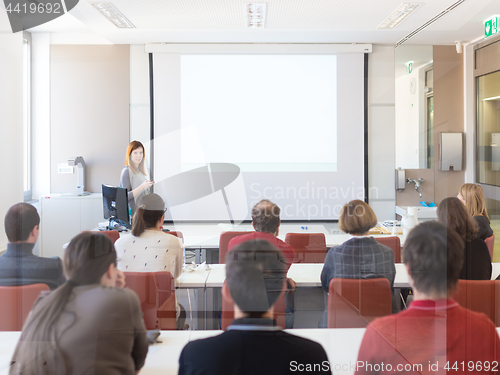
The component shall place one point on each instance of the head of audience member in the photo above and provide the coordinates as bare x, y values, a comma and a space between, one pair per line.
451, 212
255, 278
135, 157
266, 217
90, 258
149, 214
434, 254
472, 196
22, 223
357, 218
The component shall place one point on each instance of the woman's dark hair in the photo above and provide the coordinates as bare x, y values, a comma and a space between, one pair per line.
86, 259
434, 254
451, 212
149, 211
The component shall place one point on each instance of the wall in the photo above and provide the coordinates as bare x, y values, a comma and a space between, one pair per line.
11, 107
89, 109
448, 116
381, 140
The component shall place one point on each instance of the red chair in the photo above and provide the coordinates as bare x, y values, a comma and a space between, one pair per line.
156, 292
224, 239
309, 247
394, 243
353, 303
113, 234
480, 296
17, 302
279, 312
490, 242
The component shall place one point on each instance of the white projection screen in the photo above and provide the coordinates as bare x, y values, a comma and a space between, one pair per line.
232, 129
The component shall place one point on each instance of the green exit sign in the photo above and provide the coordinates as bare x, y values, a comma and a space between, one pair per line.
491, 26
409, 67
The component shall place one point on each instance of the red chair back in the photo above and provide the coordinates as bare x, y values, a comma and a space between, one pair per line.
224, 239
153, 290
490, 242
17, 302
353, 303
394, 243
279, 312
480, 296
113, 234
309, 247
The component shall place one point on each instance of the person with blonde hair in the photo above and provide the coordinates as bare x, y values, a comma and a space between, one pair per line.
134, 176
472, 196
360, 257
88, 325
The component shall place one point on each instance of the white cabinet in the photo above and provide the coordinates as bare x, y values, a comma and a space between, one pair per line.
63, 217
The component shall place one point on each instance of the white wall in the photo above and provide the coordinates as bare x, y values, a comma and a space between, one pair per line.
381, 140
410, 116
11, 108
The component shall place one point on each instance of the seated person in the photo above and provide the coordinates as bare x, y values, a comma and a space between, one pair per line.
18, 265
435, 335
253, 344
266, 222
360, 257
90, 324
472, 196
148, 248
477, 260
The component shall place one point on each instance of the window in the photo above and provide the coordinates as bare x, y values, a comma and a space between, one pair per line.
27, 116
488, 129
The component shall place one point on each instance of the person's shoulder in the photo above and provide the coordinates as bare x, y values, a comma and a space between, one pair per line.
215, 343
302, 342
116, 296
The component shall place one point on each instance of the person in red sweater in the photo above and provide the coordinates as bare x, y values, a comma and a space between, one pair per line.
266, 222
435, 334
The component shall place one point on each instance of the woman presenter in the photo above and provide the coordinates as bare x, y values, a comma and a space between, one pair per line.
134, 176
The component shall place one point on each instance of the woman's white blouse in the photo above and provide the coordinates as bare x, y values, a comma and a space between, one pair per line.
152, 251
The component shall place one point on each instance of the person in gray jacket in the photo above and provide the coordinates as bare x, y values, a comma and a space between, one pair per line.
18, 265
90, 324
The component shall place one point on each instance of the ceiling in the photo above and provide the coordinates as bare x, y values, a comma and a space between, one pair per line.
288, 21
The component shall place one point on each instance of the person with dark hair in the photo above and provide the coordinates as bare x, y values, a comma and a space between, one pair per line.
90, 324
148, 248
435, 334
472, 196
18, 265
360, 257
477, 260
134, 176
253, 343
266, 222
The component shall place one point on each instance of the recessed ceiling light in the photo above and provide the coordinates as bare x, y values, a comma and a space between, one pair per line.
400, 14
113, 14
256, 15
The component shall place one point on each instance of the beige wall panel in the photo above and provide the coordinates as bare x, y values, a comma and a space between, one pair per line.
90, 96
448, 114
409, 196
